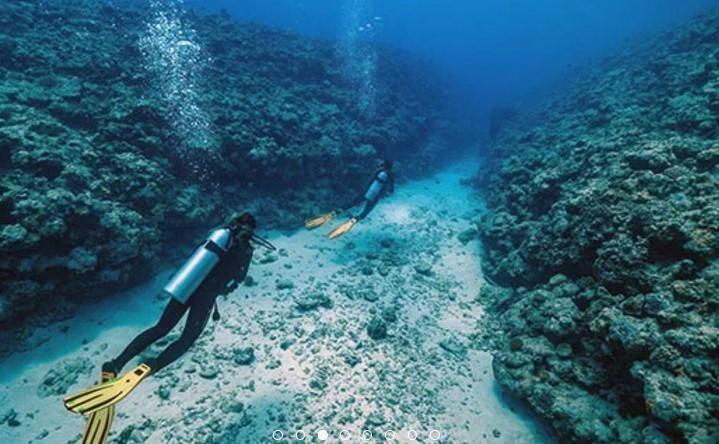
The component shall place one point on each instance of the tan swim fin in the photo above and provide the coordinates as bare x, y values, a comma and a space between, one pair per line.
97, 427
342, 229
98, 424
320, 220
106, 394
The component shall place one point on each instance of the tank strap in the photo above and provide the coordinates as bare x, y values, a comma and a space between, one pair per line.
213, 247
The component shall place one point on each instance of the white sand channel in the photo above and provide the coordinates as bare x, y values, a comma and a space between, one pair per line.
314, 369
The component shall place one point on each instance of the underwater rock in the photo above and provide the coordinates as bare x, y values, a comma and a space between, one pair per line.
267, 258
453, 346
234, 427
377, 329
98, 188
649, 160
244, 356
351, 359
285, 284
319, 380
230, 405
163, 392
423, 268
9, 418
389, 314
64, 374
376, 419
708, 158
516, 344
564, 350
7, 47
370, 295
312, 301
209, 371
468, 235
603, 237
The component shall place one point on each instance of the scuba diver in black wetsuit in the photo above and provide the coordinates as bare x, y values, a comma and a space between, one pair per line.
216, 268
381, 184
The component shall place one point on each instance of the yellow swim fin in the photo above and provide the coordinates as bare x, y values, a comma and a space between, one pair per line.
342, 229
97, 427
106, 394
320, 220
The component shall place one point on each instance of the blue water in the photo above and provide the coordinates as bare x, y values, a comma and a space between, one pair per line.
494, 51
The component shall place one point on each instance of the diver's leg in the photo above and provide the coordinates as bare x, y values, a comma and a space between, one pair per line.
170, 317
356, 201
367, 208
196, 320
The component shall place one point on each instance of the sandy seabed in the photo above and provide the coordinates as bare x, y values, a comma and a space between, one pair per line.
315, 366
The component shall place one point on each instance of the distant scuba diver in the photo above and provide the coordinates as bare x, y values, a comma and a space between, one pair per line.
216, 268
380, 184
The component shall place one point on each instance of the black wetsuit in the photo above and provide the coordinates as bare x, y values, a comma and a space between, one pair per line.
222, 280
387, 188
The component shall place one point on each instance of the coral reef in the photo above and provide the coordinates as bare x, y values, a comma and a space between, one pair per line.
93, 190
603, 230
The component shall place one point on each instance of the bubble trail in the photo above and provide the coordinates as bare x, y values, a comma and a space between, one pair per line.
359, 59
177, 61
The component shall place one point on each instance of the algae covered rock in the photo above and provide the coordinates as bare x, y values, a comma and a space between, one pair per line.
601, 226
63, 375
244, 356
377, 328
313, 301
98, 183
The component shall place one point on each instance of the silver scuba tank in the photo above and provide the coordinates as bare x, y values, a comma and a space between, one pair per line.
199, 265
377, 185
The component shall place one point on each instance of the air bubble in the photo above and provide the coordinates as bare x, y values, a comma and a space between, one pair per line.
177, 62
359, 59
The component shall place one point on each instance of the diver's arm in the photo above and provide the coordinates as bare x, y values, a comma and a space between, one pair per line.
244, 267
233, 271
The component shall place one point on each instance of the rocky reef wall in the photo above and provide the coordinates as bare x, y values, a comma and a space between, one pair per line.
95, 184
602, 243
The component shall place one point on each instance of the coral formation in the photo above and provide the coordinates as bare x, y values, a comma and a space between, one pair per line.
93, 191
603, 225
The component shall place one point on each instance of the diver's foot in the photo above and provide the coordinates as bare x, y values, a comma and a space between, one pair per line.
109, 371
151, 362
